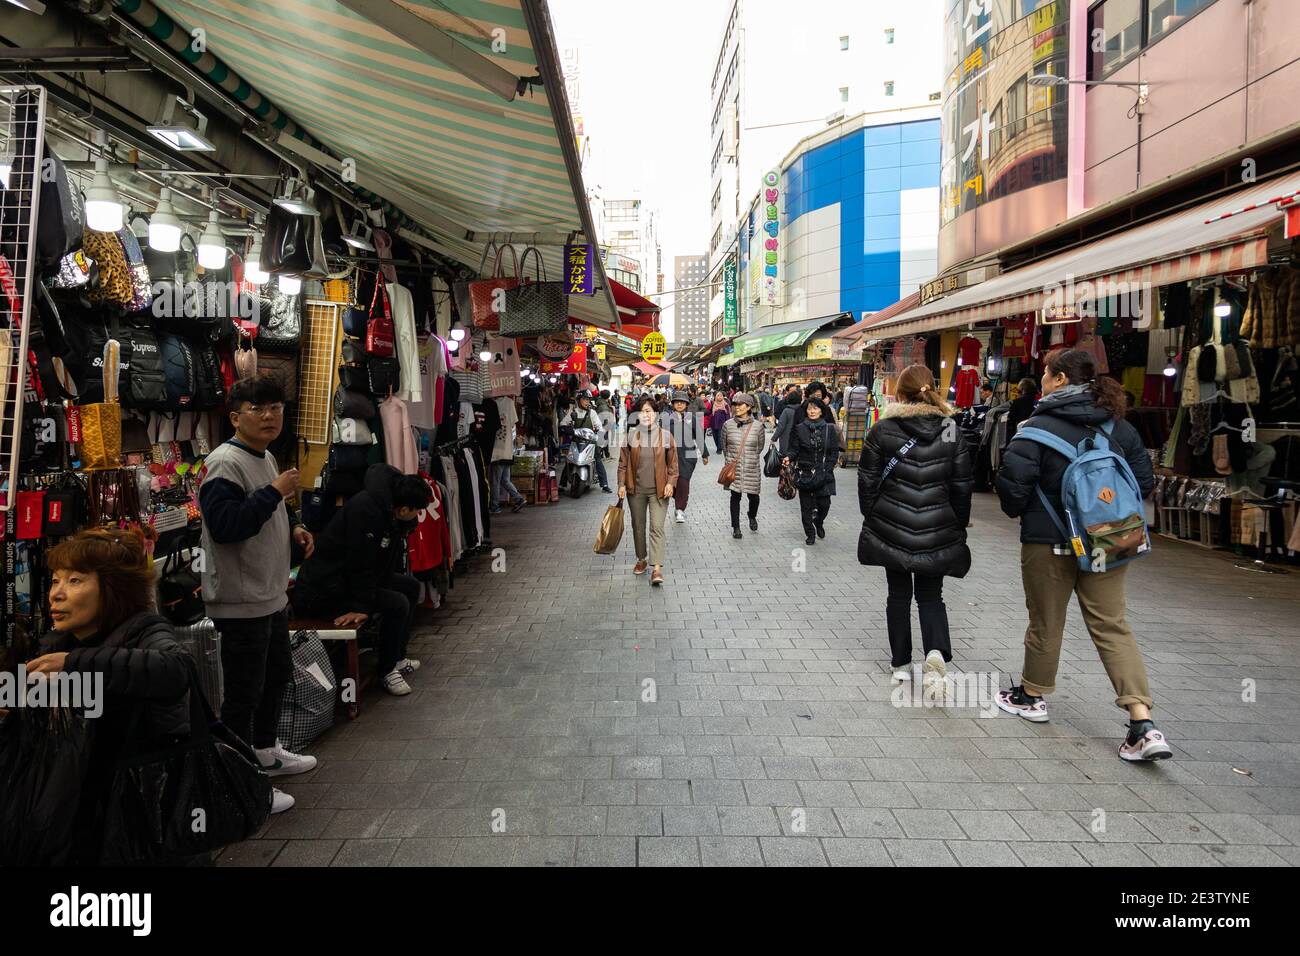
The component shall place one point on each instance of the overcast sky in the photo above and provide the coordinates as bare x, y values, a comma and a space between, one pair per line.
644, 99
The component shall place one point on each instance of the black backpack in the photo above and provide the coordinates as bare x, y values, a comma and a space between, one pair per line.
209, 386
146, 385
84, 360
61, 220
178, 369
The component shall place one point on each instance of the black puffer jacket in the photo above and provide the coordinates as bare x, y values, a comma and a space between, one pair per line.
363, 544
141, 663
815, 448
1026, 464
915, 519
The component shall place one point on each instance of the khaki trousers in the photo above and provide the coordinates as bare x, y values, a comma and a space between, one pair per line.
638, 505
1049, 580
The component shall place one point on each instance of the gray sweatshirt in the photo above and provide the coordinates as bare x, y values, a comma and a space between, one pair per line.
246, 527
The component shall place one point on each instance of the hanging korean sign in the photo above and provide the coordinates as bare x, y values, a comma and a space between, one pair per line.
555, 345
654, 347
575, 363
580, 279
769, 206
730, 318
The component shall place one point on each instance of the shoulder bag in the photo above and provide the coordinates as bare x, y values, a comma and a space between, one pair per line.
534, 308
380, 333
484, 293
727, 475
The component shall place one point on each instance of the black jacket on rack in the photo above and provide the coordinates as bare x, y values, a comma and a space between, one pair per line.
914, 518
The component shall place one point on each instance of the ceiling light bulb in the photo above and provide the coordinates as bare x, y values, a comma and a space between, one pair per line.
6, 167
164, 226
457, 334
104, 208
1223, 309
485, 356
1170, 371
289, 285
453, 345
212, 244
253, 271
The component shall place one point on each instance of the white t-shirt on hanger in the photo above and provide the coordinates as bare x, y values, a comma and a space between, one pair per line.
407, 347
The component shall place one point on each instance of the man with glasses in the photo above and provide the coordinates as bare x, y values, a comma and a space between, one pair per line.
247, 528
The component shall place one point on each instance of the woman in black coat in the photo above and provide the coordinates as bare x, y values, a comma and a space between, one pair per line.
914, 487
813, 451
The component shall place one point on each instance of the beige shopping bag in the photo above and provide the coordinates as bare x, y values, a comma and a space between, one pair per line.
611, 529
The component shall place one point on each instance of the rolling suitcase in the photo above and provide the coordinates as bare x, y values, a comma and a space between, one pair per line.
204, 644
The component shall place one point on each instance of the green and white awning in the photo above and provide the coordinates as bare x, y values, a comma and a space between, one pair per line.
785, 336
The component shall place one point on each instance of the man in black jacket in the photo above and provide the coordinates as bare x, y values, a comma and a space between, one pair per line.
354, 572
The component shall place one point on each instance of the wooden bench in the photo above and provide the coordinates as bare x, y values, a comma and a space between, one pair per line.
327, 630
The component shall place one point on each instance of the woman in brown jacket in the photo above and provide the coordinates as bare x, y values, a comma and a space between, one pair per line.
647, 472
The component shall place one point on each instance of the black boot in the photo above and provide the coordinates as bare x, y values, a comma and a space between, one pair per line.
812, 539
735, 533
753, 524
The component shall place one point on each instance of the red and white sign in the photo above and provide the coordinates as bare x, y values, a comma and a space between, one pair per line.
573, 365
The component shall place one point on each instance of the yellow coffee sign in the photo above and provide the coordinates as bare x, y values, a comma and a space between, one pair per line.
654, 347
599, 349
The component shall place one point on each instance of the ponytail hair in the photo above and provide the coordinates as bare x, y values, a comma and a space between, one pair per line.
1080, 368
916, 385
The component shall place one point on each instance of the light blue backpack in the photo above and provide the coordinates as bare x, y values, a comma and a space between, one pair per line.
1105, 520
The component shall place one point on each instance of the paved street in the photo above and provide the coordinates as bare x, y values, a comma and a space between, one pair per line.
770, 737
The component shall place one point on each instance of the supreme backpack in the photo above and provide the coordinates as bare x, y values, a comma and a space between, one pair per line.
1105, 519
146, 385
178, 364
209, 386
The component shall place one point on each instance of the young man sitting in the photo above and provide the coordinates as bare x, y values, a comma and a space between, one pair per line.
354, 574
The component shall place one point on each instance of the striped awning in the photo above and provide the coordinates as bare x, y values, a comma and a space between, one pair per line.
1176, 248
459, 159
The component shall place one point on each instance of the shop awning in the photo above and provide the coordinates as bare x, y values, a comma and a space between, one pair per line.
856, 332
1176, 248
787, 335
438, 136
648, 370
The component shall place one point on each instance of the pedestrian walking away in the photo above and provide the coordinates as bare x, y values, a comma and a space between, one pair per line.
718, 421
1076, 404
813, 451
687, 430
744, 440
914, 489
647, 472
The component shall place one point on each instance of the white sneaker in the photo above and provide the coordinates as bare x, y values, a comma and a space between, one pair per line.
280, 801
278, 762
681, 517
408, 665
934, 677
901, 674
396, 684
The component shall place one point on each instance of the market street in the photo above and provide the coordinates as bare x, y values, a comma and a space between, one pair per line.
772, 739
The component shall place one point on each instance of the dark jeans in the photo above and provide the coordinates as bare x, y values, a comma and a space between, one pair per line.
682, 492
717, 443
930, 607
256, 667
600, 472
735, 508
395, 604
813, 506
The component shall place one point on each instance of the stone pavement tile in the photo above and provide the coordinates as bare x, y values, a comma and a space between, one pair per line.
827, 793
942, 796
1178, 828
793, 851
572, 821
1116, 826
989, 825
772, 793
748, 821
928, 824
995, 796
1052, 826
355, 824
1052, 796
250, 853
1289, 853
982, 853
308, 853
1232, 799
634, 821
1180, 854
546, 851
425, 852
1048, 854
1287, 825
893, 769
1170, 798
495, 793
790, 768
691, 821
606, 851
1112, 854
719, 793
639, 768
1110, 796
487, 851
948, 770
739, 768
667, 851
609, 792
1248, 855
545, 793
856, 852
873, 822
306, 796
919, 853
730, 851
884, 794
688, 768
841, 768
299, 824
1239, 828
662, 792
366, 853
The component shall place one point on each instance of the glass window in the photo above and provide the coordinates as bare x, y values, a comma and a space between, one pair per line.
844, 43
889, 87
844, 94
1114, 35
1164, 15
889, 34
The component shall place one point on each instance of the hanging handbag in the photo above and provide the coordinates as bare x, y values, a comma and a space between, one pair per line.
141, 285
727, 475
180, 591
611, 530
355, 377
353, 431
381, 336
283, 369
771, 462
44, 757
788, 485
354, 352
385, 376
61, 218
349, 457
245, 357
534, 308
484, 295
281, 325
353, 404
460, 290
156, 796
287, 242
101, 436
115, 285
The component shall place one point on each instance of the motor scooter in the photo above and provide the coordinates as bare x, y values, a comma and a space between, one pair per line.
578, 463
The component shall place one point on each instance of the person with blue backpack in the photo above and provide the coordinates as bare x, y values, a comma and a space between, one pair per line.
1076, 475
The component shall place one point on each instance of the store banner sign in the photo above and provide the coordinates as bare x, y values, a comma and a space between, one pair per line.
820, 349
580, 276
730, 314
574, 364
598, 349
555, 345
654, 347
770, 203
